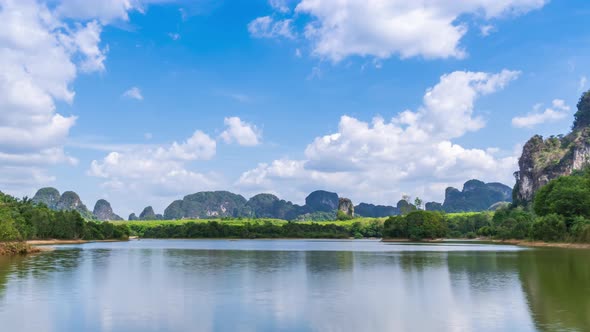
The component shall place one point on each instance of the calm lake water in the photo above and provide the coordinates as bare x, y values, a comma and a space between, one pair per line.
295, 285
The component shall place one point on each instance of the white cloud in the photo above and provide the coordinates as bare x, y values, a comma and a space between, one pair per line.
582, 83
383, 28
40, 57
412, 152
240, 132
174, 36
133, 93
487, 29
279, 5
160, 170
106, 11
267, 27
558, 111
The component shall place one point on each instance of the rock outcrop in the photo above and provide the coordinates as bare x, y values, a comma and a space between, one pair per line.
543, 160
321, 201
475, 196
375, 211
148, 214
345, 206
104, 211
132, 217
208, 204
70, 201
433, 206
270, 206
48, 196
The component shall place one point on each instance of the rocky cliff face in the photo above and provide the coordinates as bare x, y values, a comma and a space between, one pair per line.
48, 196
104, 211
345, 205
543, 160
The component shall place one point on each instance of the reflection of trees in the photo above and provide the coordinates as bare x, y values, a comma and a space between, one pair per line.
418, 261
325, 262
557, 287
484, 270
38, 266
214, 261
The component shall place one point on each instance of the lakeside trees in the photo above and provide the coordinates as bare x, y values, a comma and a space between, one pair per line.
22, 220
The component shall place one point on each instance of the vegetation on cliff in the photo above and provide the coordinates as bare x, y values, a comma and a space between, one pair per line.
543, 160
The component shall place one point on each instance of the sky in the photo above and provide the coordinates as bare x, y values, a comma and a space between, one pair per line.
142, 102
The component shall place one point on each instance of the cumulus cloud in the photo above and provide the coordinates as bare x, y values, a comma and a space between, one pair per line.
106, 11
582, 83
157, 169
41, 55
133, 93
267, 27
558, 111
279, 5
431, 29
240, 132
412, 152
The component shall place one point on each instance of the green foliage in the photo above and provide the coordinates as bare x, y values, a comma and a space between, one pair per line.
25, 220
582, 116
568, 196
416, 225
255, 228
340, 215
549, 228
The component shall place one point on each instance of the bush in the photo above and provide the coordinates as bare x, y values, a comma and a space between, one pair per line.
340, 215
580, 230
550, 228
416, 225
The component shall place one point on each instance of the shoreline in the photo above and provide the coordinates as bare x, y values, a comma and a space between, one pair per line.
521, 243
541, 244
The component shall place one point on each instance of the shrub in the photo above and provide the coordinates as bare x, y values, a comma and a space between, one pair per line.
549, 228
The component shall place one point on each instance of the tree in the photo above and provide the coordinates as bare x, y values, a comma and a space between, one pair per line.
582, 116
568, 196
418, 203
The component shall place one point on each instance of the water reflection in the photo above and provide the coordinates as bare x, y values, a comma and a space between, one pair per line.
557, 287
179, 285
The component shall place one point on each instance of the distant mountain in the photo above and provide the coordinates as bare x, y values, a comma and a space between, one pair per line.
103, 211
48, 196
476, 196
321, 201
270, 206
70, 200
375, 211
149, 214
208, 204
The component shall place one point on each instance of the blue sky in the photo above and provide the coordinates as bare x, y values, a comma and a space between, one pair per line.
142, 102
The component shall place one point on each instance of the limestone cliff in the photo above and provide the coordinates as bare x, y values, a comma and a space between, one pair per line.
345, 205
543, 160
104, 211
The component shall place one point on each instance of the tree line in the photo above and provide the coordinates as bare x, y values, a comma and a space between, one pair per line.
560, 212
21, 220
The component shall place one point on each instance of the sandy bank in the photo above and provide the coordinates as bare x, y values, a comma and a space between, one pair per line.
541, 244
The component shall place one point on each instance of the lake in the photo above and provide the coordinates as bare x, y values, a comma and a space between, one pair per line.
295, 285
